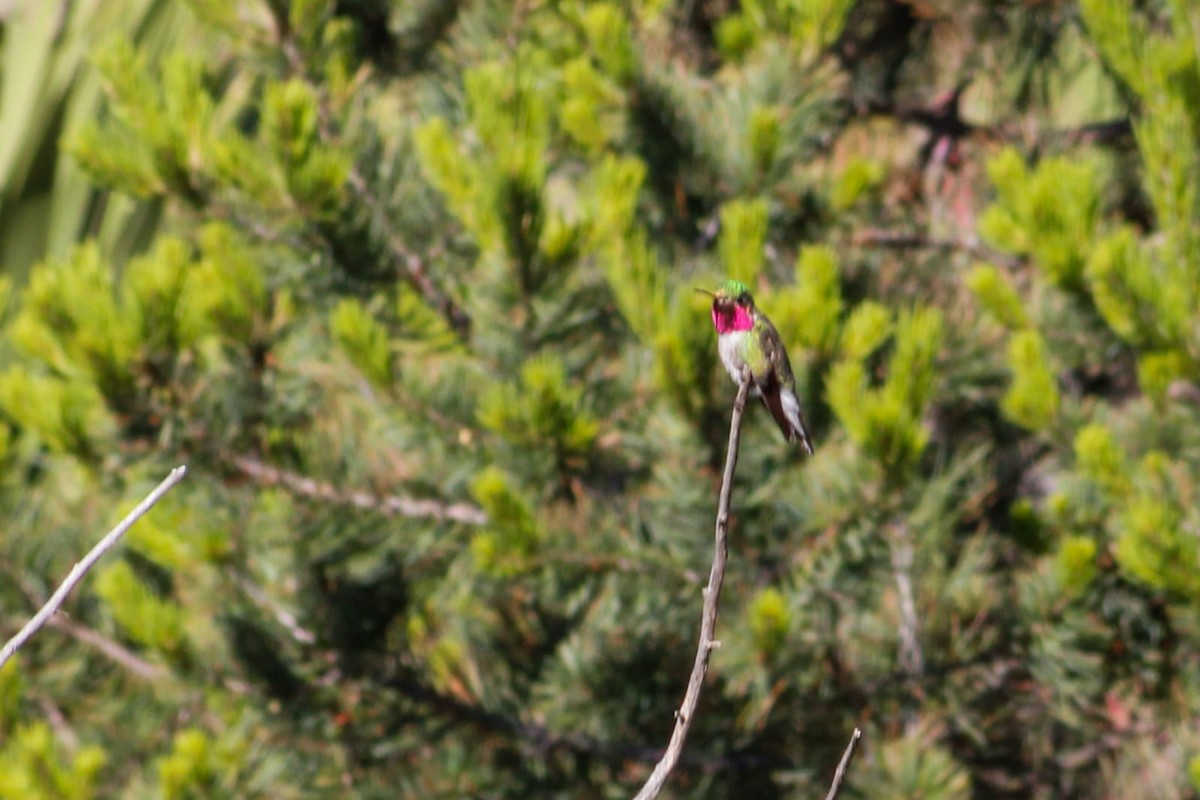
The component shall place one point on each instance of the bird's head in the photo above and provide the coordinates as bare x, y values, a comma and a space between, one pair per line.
732, 307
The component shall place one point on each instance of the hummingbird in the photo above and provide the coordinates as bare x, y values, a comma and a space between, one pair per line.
746, 337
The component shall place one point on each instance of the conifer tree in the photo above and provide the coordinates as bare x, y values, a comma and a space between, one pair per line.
416, 307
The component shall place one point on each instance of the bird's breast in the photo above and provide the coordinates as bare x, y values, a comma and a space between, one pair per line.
732, 349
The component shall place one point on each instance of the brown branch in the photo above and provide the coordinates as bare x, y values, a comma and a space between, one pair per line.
411, 266
284, 617
708, 621
113, 650
81, 569
388, 505
539, 739
839, 777
901, 240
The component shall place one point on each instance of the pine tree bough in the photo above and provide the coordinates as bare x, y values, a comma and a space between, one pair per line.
708, 621
84, 566
409, 265
388, 505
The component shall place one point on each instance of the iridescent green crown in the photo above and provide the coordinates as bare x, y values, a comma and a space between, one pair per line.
732, 288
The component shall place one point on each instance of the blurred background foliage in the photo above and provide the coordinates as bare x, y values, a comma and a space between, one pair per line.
409, 287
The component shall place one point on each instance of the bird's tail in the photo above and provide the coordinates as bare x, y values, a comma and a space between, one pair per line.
785, 408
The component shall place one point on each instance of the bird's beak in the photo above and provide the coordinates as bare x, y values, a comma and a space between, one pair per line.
707, 292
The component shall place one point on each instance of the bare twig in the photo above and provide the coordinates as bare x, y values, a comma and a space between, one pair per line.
284, 617
411, 266
80, 569
839, 777
708, 621
388, 505
912, 659
113, 650
903, 240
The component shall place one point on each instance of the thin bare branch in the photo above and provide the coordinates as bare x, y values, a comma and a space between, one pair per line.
903, 240
80, 569
113, 650
912, 658
839, 777
410, 265
708, 622
284, 617
388, 505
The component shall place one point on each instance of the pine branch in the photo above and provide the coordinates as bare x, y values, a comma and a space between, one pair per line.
114, 651
388, 505
81, 569
901, 240
708, 621
540, 739
284, 617
408, 264
405, 263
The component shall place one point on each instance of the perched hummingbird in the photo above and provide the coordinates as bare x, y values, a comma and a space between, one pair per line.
746, 336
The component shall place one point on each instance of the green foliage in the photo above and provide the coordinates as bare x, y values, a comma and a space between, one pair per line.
743, 234
996, 294
364, 340
544, 413
314, 174
67, 416
609, 39
11, 686
50, 90
171, 117
683, 358
1032, 400
70, 320
1157, 371
1099, 460
886, 420
32, 766
590, 113
811, 312
1076, 563
200, 765
860, 177
152, 621
868, 326
187, 771
912, 767
809, 27
1154, 546
630, 263
769, 621
513, 535
1049, 213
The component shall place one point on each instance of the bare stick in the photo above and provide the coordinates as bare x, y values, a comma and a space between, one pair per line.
79, 570
708, 621
839, 777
